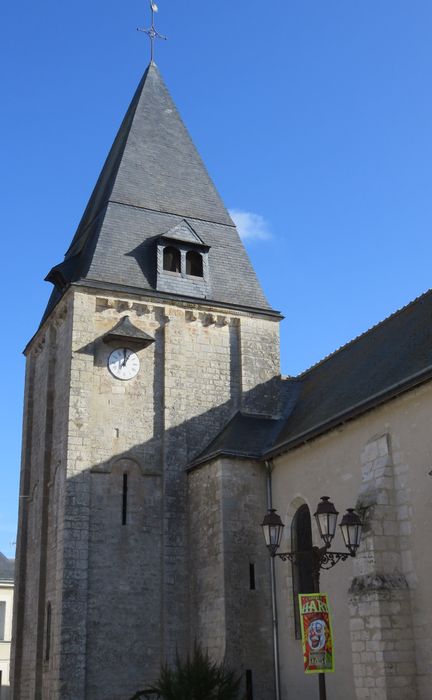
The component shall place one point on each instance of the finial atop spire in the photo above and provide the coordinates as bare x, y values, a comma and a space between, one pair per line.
152, 33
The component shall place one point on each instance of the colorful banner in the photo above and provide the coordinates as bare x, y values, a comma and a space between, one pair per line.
316, 633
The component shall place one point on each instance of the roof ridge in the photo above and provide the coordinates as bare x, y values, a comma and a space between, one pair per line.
361, 335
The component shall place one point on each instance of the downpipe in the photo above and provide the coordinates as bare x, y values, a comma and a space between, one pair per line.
269, 467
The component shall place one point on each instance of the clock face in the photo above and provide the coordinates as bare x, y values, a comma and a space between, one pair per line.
123, 363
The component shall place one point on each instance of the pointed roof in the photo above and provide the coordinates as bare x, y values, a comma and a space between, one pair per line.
153, 182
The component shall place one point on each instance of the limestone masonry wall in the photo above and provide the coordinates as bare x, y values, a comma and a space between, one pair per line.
115, 568
35, 663
230, 601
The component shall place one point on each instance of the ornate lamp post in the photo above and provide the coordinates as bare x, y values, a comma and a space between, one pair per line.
326, 517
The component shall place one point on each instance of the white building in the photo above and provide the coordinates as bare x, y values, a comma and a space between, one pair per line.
6, 604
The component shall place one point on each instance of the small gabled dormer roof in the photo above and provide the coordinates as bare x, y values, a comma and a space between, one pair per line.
154, 182
184, 233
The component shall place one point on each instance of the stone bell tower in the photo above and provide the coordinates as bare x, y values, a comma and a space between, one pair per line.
156, 333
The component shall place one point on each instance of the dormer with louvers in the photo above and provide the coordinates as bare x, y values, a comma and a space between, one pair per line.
183, 262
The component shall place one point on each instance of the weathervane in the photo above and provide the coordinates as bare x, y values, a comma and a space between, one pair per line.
152, 33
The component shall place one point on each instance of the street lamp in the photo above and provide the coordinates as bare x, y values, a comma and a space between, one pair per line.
326, 517
272, 527
351, 527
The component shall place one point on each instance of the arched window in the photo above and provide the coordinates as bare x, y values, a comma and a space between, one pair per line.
302, 568
194, 264
171, 259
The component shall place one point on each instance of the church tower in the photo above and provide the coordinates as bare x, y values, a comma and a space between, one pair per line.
156, 334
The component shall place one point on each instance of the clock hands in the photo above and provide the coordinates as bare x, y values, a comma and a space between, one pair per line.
125, 357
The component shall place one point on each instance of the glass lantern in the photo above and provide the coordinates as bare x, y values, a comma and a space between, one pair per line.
272, 527
351, 527
326, 518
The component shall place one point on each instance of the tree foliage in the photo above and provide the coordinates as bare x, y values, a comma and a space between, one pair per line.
194, 678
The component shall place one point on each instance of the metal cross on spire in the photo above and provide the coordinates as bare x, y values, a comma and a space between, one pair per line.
152, 33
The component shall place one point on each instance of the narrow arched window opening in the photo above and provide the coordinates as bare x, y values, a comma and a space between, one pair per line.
252, 582
302, 568
48, 633
125, 499
194, 264
171, 259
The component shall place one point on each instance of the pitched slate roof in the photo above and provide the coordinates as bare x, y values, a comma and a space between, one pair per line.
249, 435
389, 359
245, 435
153, 180
7, 568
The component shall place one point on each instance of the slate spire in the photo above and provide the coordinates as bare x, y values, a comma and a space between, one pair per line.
152, 180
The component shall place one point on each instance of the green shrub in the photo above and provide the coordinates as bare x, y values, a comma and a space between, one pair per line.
194, 678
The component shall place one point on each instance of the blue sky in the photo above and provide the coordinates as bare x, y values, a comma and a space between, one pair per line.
314, 120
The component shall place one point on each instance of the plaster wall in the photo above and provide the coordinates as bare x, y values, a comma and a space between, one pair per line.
381, 462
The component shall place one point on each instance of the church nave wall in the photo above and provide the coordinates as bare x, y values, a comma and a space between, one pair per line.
379, 463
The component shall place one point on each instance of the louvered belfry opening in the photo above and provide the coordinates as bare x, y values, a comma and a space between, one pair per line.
172, 259
194, 264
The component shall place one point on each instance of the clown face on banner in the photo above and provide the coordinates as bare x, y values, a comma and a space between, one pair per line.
316, 633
